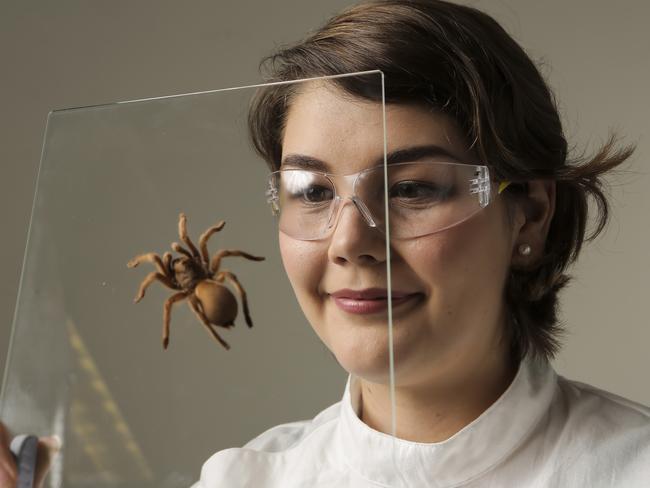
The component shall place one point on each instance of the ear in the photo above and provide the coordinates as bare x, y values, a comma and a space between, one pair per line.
533, 216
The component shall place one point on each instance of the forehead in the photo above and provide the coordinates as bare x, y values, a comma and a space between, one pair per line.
347, 133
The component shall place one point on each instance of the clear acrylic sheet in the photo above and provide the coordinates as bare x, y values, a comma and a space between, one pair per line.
87, 364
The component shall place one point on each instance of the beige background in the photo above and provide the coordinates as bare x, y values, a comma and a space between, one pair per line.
74, 53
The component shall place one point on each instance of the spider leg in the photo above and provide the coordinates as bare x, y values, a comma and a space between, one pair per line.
181, 250
216, 259
167, 262
167, 308
182, 233
150, 257
203, 241
150, 278
195, 305
240, 289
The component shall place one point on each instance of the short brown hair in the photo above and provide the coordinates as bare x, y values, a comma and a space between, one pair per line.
460, 61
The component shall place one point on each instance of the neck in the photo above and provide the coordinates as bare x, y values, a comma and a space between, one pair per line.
432, 411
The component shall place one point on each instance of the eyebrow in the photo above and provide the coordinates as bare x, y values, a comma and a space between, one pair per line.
404, 155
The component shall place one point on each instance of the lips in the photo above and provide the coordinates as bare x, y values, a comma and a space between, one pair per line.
368, 294
370, 300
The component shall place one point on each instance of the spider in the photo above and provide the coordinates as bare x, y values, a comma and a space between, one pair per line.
199, 281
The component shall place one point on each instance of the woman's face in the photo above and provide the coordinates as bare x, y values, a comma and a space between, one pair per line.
453, 315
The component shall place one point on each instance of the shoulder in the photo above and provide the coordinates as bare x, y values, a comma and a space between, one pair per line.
285, 436
589, 403
598, 432
264, 460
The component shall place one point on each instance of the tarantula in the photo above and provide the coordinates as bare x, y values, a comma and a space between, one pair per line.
199, 280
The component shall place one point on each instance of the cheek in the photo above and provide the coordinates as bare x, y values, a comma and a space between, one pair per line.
442, 265
464, 265
304, 264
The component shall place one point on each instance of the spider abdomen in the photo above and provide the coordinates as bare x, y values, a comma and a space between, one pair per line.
219, 304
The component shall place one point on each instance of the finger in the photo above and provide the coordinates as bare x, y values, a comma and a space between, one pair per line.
5, 441
48, 448
8, 469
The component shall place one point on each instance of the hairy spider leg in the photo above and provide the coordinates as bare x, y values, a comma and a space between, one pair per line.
181, 250
167, 262
167, 307
151, 277
203, 243
150, 257
216, 259
195, 305
240, 289
182, 233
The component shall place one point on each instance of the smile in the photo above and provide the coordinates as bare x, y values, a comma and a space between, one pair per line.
370, 301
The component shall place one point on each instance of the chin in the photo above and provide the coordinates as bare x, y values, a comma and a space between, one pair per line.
367, 359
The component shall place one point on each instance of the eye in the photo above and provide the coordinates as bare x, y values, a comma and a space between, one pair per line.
316, 194
419, 191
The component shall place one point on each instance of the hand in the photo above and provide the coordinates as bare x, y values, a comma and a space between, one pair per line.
48, 447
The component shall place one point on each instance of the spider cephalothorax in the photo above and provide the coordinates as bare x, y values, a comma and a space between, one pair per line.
197, 278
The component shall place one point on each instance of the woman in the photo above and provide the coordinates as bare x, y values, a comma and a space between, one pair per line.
474, 302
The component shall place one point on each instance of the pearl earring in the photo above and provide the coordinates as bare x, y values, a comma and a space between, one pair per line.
524, 249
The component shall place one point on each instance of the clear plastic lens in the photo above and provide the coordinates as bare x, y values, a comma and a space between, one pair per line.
304, 189
424, 197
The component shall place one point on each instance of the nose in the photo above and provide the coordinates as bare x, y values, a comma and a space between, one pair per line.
353, 239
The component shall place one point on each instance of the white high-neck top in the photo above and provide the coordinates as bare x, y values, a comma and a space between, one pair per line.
543, 431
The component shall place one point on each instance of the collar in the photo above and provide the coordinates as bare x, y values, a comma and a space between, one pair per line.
469, 453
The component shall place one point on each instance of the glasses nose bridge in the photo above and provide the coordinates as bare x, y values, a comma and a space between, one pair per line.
351, 182
350, 185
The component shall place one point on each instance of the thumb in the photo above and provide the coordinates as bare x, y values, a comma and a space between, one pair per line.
48, 448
